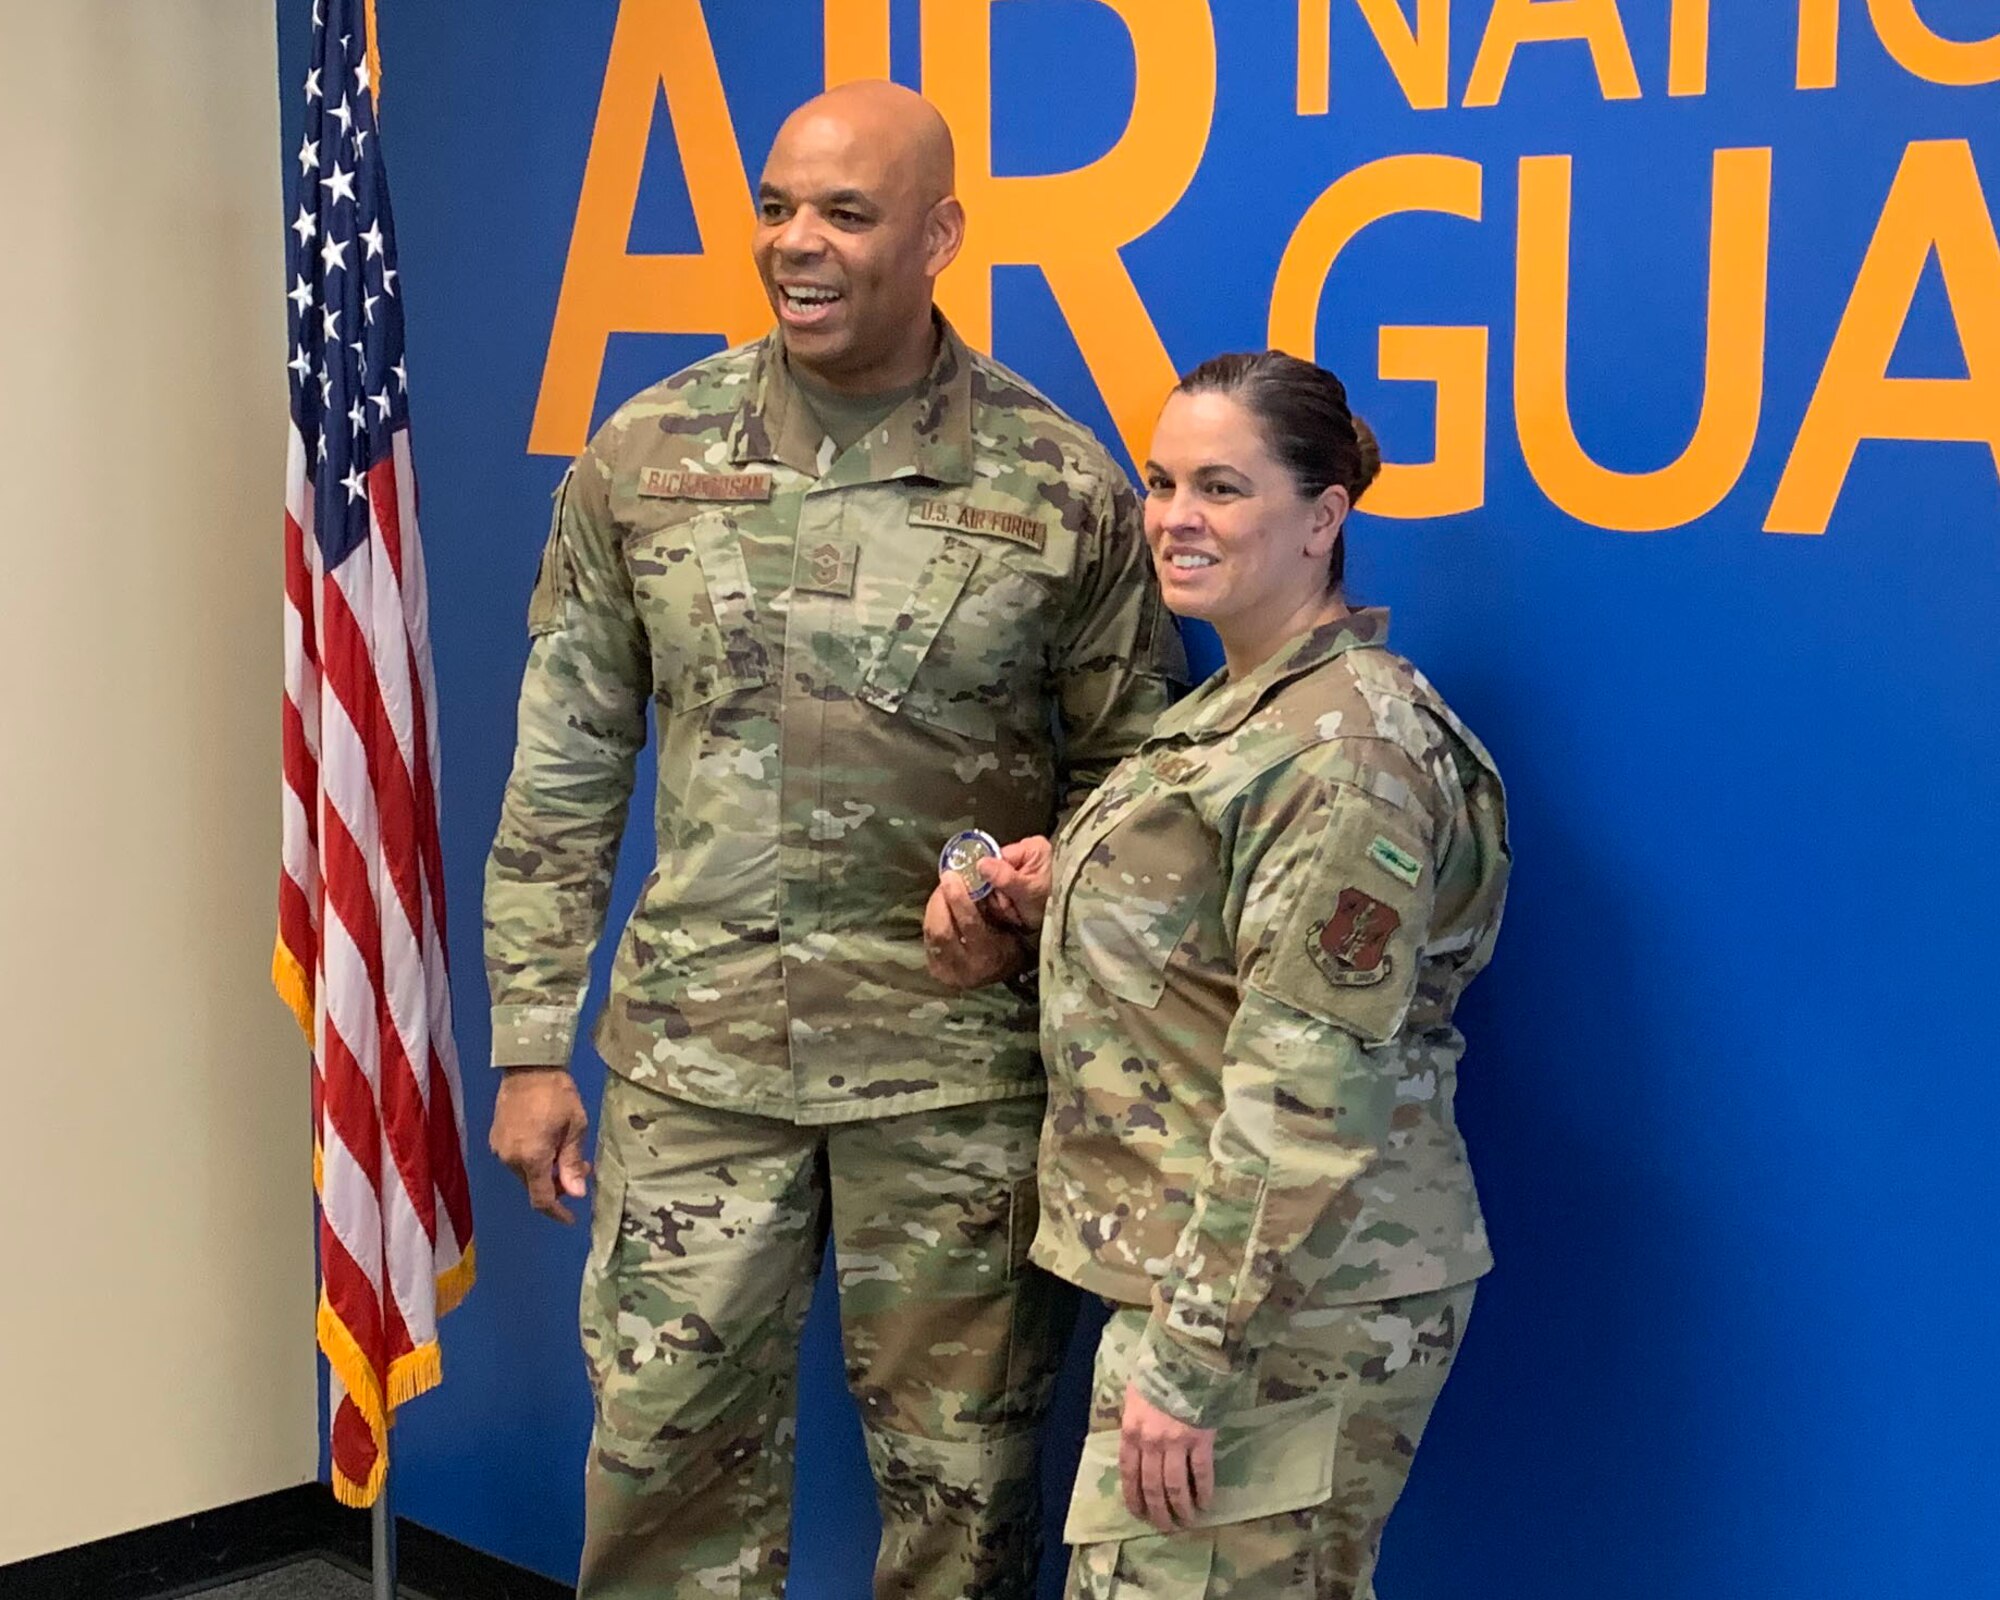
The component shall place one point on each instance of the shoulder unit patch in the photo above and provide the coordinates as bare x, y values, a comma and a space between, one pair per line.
1351, 947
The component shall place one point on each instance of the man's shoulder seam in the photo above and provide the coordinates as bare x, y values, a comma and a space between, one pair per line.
998, 386
665, 392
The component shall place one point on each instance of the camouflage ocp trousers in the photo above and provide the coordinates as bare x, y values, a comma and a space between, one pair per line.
1306, 1473
706, 1236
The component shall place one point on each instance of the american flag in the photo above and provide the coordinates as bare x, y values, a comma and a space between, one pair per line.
361, 955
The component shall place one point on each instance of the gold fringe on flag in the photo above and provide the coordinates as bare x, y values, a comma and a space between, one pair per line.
358, 1379
360, 1495
293, 986
421, 1370
374, 57
455, 1285
410, 1375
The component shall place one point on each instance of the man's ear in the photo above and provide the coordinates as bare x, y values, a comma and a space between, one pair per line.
944, 234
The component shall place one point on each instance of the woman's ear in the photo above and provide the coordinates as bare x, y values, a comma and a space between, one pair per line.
1329, 515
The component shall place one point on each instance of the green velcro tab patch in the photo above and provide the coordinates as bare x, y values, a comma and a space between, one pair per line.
963, 518
658, 483
1395, 860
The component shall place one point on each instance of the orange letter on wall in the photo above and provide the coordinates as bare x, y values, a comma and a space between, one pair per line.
1905, 35
1687, 48
1418, 54
1315, 57
1936, 203
1819, 44
1518, 22
1071, 224
604, 289
1733, 388
1452, 358
857, 40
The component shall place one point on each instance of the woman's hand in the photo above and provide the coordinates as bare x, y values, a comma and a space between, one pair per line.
1165, 1466
1021, 881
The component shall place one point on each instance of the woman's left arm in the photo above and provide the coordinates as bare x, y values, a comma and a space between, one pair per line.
1331, 889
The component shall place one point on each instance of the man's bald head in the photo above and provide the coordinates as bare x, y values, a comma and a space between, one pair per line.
907, 129
855, 220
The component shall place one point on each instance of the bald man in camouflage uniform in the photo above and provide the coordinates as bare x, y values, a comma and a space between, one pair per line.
874, 590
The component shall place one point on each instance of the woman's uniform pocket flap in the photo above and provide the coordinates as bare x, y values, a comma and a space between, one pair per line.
1267, 1461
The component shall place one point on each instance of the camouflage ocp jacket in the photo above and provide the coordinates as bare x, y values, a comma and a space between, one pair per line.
1258, 932
848, 657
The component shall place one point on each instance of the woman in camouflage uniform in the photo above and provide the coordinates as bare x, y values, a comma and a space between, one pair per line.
1253, 938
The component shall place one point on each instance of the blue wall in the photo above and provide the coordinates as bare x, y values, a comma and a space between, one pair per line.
1731, 1092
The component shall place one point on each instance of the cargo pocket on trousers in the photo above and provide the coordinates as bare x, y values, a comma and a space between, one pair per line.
1268, 1461
1161, 1566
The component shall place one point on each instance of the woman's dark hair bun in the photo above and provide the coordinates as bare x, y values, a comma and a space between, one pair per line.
1371, 456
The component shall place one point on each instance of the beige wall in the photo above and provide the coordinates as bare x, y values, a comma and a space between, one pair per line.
155, 1257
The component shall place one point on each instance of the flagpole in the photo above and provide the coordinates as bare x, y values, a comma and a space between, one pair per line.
384, 1523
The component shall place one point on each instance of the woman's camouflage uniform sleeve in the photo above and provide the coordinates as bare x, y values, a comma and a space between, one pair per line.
582, 721
1331, 881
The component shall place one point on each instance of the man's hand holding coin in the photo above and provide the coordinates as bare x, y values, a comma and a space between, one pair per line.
976, 937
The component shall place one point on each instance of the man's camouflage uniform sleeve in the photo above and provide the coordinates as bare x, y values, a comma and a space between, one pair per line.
1306, 1108
1119, 661
582, 721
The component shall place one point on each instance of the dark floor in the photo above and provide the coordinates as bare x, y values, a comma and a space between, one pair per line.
309, 1579
291, 1544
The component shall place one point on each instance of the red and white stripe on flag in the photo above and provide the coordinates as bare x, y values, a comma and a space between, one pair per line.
361, 959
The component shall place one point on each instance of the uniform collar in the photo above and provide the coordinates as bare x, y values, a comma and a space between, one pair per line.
1221, 704
928, 436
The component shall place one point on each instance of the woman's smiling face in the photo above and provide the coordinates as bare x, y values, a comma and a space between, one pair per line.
1233, 540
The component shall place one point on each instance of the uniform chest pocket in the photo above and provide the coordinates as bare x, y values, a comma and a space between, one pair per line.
1125, 941
1132, 897
700, 611
918, 667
